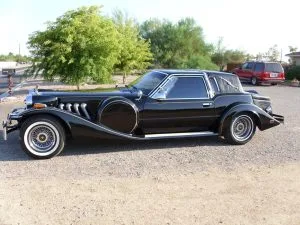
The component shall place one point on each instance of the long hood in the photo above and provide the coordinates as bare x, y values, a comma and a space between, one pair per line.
84, 94
53, 98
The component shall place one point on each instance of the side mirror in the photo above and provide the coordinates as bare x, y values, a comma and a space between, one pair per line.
139, 94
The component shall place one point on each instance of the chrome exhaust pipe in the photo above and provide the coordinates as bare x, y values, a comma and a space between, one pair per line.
68, 106
61, 106
83, 108
76, 106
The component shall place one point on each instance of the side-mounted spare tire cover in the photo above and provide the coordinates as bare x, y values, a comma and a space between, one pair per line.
118, 114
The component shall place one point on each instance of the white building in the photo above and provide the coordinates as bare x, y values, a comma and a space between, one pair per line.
7, 65
295, 58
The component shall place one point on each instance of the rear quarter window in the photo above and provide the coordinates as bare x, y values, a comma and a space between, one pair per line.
273, 67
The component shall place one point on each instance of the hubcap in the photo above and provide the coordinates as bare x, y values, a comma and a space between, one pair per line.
242, 128
41, 138
254, 80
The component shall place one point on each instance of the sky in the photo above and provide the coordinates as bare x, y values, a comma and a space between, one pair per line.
252, 26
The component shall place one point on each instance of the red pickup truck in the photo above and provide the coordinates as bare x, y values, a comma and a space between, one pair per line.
261, 72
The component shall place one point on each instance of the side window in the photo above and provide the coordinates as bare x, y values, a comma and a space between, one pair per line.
250, 66
187, 87
259, 67
244, 66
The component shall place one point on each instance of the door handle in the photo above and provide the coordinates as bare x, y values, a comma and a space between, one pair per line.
206, 104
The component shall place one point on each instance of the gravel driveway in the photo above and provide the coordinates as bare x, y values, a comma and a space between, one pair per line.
184, 181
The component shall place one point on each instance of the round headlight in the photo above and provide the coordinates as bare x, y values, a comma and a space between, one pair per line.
28, 100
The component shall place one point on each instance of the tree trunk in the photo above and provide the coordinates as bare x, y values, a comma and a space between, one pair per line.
78, 86
124, 77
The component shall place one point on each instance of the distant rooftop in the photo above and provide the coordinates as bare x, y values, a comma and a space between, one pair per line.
293, 54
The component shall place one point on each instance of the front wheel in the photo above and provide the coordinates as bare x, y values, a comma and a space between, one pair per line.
240, 130
254, 81
42, 137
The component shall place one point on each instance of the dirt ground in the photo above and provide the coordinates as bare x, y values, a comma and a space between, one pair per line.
184, 181
244, 196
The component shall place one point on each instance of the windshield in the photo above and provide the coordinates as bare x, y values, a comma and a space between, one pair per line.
273, 67
148, 82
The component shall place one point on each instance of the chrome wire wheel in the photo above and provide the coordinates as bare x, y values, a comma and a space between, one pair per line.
242, 128
41, 138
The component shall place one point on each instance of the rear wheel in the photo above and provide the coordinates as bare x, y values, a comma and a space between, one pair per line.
254, 81
42, 137
240, 130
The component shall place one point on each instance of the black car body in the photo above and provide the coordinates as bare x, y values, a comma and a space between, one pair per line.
162, 104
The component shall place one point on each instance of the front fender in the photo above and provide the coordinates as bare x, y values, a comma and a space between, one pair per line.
263, 119
76, 125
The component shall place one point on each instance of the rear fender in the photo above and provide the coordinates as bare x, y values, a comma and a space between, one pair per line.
263, 120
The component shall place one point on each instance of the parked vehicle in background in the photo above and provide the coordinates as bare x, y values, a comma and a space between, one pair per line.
260, 72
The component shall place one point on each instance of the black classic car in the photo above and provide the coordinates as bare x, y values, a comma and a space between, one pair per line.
161, 104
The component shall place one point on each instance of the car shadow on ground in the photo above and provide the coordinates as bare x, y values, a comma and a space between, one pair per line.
95, 146
11, 150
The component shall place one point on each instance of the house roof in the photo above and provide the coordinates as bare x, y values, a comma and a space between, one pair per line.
293, 54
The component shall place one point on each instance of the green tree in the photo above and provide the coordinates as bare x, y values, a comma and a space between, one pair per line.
135, 52
79, 45
222, 57
179, 45
13, 57
292, 48
272, 54
236, 56
218, 57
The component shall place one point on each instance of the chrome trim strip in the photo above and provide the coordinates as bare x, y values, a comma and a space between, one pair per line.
83, 108
68, 106
202, 75
4, 125
157, 71
187, 134
76, 106
61, 106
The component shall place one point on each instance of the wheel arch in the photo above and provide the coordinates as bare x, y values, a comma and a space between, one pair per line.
236, 110
65, 124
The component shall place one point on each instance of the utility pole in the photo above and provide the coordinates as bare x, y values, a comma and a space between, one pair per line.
19, 52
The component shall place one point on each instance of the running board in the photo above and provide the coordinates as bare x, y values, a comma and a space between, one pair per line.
179, 135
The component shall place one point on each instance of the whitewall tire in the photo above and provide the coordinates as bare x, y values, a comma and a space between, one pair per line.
42, 137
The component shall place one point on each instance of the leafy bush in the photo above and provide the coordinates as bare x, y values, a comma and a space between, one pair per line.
200, 62
293, 72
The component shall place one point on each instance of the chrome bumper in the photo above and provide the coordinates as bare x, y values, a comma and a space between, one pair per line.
4, 125
7, 124
278, 118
